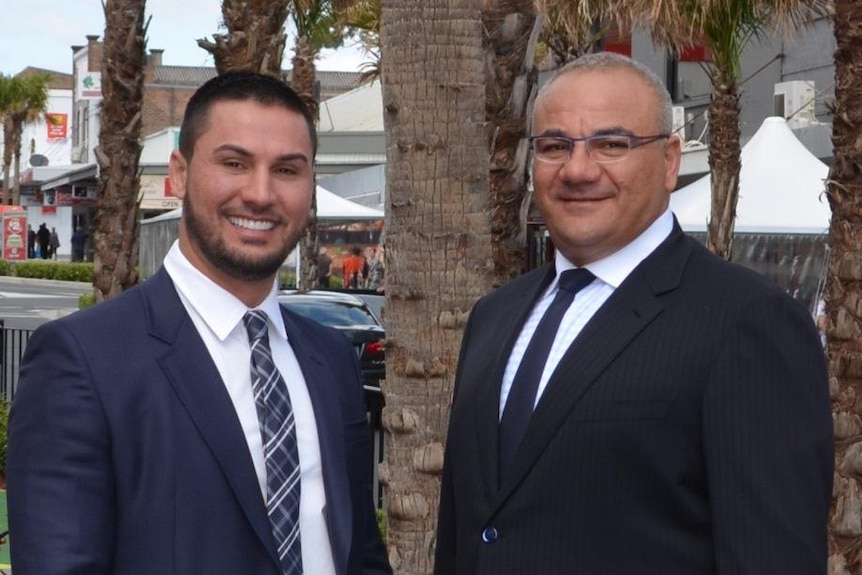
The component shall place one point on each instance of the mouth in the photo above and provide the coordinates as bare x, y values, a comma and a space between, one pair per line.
253, 225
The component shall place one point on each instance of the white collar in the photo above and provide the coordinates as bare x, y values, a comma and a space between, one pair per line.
615, 268
218, 308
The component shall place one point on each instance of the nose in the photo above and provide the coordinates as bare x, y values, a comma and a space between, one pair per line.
258, 188
580, 166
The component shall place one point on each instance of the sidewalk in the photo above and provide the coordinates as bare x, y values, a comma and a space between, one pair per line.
40, 281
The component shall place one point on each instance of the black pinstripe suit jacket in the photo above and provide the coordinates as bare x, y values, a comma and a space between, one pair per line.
687, 431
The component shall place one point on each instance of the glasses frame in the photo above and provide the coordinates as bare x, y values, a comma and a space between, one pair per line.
634, 143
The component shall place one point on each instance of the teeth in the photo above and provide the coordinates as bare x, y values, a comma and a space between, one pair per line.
258, 225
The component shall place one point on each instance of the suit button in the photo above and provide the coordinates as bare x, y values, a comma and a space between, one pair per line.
489, 535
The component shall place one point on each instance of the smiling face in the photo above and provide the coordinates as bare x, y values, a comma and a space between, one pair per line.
246, 194
592, 210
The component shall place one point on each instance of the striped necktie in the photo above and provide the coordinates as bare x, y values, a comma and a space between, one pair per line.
278, 431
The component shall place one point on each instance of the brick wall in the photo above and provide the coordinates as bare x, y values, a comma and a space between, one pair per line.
164, 107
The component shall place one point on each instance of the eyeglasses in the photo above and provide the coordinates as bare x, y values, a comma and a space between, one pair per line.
602, 149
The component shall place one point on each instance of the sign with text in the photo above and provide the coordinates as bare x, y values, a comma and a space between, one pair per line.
156, 194
14, 233
58, 126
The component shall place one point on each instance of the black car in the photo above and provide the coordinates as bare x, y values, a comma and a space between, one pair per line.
353, 318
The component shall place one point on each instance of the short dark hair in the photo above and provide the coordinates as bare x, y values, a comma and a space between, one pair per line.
239, 86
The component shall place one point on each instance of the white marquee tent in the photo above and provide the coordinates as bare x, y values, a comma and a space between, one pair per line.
782, 216
781, 188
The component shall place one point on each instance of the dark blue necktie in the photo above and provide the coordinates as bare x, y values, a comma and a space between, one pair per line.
525, 385
278, 431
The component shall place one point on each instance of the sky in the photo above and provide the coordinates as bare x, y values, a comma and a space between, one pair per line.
40, 33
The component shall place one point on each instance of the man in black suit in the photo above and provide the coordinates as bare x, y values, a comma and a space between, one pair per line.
681, 424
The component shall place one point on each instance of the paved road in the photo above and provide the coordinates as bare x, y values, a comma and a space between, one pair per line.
28, 303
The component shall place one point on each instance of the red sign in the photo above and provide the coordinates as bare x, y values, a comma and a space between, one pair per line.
58, 125
14, 234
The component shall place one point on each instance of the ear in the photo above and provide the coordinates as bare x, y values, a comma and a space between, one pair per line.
672, 159
178, 174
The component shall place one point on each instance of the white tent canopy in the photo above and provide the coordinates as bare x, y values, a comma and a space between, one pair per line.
781, 188
330, 207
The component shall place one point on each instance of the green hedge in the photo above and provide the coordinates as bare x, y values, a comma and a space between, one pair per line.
48, 270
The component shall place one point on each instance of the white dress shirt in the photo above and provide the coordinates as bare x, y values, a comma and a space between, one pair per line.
217, 314
610, 273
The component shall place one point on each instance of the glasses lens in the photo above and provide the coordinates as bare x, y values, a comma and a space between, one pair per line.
609, 148
552, 149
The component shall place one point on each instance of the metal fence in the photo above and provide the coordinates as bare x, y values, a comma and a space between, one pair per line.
12, 344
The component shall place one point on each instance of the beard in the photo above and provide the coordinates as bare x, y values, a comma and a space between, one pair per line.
236, 265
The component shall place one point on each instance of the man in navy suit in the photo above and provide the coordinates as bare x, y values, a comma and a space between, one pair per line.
134, 440
680, 422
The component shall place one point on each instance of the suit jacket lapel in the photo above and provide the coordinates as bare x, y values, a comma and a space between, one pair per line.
199, 386
323, 391
488, 411
626, 313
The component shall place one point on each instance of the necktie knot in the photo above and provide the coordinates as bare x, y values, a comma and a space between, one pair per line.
255, 324
574, 281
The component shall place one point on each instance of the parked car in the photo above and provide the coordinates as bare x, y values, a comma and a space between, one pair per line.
374, 300
352, 317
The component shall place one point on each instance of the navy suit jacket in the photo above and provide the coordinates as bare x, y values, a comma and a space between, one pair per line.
686, 431
126, 455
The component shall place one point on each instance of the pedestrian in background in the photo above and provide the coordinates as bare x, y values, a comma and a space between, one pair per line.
53, 244
352, 269
79, 240
43, 237
31, 242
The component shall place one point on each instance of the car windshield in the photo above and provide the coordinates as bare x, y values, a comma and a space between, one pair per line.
331, 313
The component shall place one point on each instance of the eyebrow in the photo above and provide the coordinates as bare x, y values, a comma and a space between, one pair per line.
240, 151
612, 131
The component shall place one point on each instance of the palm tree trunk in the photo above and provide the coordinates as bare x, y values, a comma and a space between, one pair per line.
844, 291
302, 80
116, 222
15, 144
438, 239
512, 30
255, 39
7, 160
724, 161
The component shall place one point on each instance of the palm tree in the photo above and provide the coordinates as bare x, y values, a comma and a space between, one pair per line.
23, 100
362, 18
316, 28
569, 33
726, 28
255, 36
439, 259
511, 35
6, 99
844, 344
116, 222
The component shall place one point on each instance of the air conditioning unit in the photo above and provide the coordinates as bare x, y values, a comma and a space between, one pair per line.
679, 121
795, 101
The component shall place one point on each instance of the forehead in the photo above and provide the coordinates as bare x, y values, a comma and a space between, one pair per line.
597, 99
254, 121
